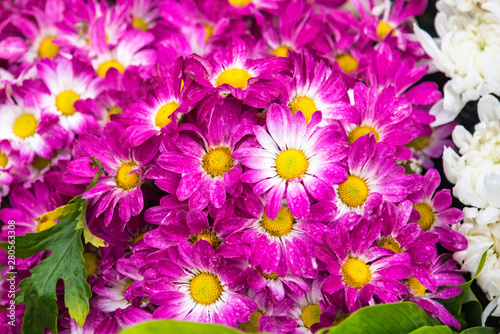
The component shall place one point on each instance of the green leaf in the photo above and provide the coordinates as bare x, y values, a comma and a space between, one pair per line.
178, 327
65, 262
87, 234
480, 330
386, 318
433, 330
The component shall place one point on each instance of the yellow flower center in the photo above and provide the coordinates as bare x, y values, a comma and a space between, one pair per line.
416, 286
383, 29
356, 273
114, 111
347, 63
40, 163
218, 161
251, 326
46, 221
207, 235
205, 288
279, 226
353, 191
419, 143
25, 126
239, 3
291, 163
310, 315
124, 179
104, 67
3, 160
65, 102
360, 131
47, 48
91, 263
209, 31
272, 276
426, 215
304, 104
139, 24
281, 51
391, 244
163, 115
138, 237
236, 77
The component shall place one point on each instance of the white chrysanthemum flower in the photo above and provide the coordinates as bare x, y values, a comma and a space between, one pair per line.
469, 53
473, 6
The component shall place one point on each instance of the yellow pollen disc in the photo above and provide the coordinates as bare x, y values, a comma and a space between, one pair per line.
236, 77
353, 191
310, 315
3, 160
138, 237
124, 179
383, 29
279, 226
416, 286
139, 24
65, 102
104, 67
251, 326
240, 3
209, 31
419, 143
426, 215
356, 273
281, 51
40, 163
360, 131
347, 63
205, 288
291, 163
304, 104
114, 111
47, 48
25, 126
218, 161
391, 244
163, 115
46, 221
272, 276
91, 263
207, 235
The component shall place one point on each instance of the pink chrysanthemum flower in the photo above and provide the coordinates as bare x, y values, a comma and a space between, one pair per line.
69, 81
315, 86
208, 168
231, 71
143, 14
125, 167
433, 213
373, 177
295, 160
197, 287
387, 117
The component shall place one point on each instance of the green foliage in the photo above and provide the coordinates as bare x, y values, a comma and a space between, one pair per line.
178, 327
433, 330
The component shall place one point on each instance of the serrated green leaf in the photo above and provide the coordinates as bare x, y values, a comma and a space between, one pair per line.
385, 318
178, 327
65, 262
87, 234
433, 330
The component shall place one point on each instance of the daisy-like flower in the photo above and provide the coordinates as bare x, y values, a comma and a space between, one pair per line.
384, 115
208, 168
125, 167
143, 13
295, 159
433, 213
197, 287
315, 87
69, 80
358, 271
161, 112
230, 71
373, 177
